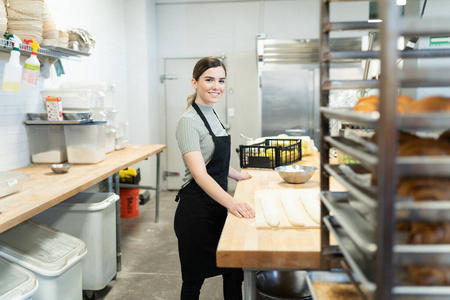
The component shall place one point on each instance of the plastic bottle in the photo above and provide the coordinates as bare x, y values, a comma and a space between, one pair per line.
32, 66
12, 75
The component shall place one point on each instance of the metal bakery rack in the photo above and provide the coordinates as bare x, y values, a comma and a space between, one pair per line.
363, 219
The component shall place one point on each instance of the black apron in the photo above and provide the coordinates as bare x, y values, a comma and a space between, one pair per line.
199, 219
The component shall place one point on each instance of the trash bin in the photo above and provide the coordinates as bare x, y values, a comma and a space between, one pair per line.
281, 285
54, 257
91, 218
16, 282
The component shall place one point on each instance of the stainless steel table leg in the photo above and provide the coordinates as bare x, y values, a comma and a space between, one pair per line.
249, 285
158, 187
118, 247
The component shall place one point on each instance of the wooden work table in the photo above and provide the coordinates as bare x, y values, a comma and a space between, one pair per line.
242, 245
45, 189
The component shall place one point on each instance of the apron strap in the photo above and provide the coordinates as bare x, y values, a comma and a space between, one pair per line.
202, 116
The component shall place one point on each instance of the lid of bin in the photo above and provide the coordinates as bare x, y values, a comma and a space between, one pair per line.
15, 281
87, 202
41, 248
9, 179
99, 86
89, 123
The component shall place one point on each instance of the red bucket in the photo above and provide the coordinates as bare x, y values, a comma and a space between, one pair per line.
129, 203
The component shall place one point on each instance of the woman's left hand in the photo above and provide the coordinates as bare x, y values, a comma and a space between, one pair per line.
244, 175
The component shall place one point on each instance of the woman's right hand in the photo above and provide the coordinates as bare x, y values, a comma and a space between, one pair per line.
242, 210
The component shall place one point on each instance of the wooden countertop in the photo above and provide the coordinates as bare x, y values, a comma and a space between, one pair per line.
243, 246
45, 189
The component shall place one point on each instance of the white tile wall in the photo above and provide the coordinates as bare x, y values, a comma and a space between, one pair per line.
105, 20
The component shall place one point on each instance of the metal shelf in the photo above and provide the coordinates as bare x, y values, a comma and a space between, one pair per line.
365, 195
55, 52
427, 211
347, 114
424, 27
335, 56
350, 26
353, 149
361, 264
349, 84
423, 166
355, 225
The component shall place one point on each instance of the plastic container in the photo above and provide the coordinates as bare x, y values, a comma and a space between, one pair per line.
91, 218
11, 182
16, 282
102, 92
54, 258
129, 203
111, 135
47, 143
81, 99
86, 143
12, 73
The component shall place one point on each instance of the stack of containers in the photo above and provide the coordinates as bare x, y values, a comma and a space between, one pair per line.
3, 19
86, 143
90, 217
51, 34
16, 282
52, 256
25, 19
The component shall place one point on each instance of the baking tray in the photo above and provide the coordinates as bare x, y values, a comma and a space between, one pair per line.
325, 276
353, 149
428, 211
423, 166
349, 115
421, 292
361, 264
356, 226
367, 195
64, 122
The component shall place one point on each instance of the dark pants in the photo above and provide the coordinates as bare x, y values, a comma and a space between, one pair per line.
232, 286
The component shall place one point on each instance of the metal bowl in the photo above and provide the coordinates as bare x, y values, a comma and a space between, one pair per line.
276, 285
60, 168
296, 173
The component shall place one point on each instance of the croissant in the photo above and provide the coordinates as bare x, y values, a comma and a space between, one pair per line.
425, 189
430, 104
445, 137
429, 233
427, 275
424, 147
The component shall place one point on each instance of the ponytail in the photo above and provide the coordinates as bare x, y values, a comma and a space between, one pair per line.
191, 99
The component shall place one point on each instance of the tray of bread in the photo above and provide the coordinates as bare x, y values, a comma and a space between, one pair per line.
287, 209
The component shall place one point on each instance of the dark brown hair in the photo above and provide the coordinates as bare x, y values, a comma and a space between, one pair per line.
200, 67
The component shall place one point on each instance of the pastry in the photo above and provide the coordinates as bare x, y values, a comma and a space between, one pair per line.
423, 233
445, 137
430, 104
371, 103
423, 147
423, 189
270, 210
429, 275
292, 211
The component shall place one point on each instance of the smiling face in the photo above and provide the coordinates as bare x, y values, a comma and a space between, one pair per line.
210, 86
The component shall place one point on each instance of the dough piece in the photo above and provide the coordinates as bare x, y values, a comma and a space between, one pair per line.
292, 211
270, 210
312, 207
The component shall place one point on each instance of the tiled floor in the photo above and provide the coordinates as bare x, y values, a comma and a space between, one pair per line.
150, 264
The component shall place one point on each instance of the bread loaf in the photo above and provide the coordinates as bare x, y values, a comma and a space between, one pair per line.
423, 189
424, 233
371, 103
424, 147
429, 275
445, 137
430, 104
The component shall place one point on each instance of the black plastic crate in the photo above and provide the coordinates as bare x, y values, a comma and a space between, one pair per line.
271, 153
133, 179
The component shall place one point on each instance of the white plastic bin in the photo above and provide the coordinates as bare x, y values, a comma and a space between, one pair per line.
91, 218
102, 92
71, 98
47, 143
16, 282
54, 258
86, 143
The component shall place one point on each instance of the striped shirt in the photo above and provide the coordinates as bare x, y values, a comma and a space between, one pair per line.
192, 135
